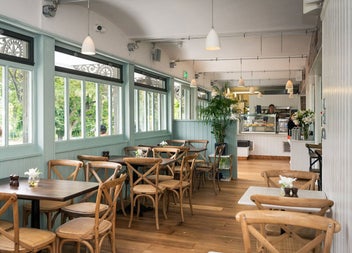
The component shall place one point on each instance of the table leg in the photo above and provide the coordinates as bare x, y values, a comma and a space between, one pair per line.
35, 215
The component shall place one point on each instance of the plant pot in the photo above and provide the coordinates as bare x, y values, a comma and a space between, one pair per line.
225, 149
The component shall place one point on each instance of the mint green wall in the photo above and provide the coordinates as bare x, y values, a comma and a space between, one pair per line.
195, 129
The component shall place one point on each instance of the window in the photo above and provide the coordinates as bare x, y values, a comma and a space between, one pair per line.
202, 101
182, 103
16, 80
149, 102
86, 107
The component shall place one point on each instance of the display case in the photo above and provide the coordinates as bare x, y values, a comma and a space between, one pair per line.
258, 123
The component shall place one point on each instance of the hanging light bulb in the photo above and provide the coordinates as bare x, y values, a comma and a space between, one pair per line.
289, 84
194, 80
241, 81
88, 46
290, 95
260, 95
212, 42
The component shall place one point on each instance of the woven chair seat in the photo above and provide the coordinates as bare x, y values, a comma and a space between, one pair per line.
145, 188
82, 228
49, 205
5, 225
174, 184
83, 209
34, 238
161, 177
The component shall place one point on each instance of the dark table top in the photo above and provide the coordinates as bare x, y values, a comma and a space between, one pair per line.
48, 189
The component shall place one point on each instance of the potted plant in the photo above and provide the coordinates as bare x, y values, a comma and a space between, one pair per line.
219, 113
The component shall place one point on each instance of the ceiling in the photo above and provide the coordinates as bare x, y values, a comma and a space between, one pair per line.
265, 41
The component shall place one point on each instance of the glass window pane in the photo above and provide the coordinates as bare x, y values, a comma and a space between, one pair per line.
75, 108
116, 109
12, 46
104, 107
19, 110
2, 109
91, 109
149, 80
141, 111
60, 133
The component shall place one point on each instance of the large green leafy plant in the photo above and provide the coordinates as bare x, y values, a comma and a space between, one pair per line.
219, 114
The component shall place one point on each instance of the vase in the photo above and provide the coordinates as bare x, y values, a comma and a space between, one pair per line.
33, 180
305, 132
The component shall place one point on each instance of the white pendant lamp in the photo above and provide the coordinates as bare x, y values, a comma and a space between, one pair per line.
212, 42
289, 84
241, 81
88, 46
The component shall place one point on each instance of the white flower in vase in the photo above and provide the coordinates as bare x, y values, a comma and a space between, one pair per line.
33, 176
286, 182
163, 143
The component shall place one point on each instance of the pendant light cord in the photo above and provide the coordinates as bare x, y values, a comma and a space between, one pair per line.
88, 18
212, 14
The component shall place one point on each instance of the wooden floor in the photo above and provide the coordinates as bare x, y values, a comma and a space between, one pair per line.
212, 226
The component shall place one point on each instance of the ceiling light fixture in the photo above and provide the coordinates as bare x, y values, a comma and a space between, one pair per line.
289, 84
212, 42
241, 81
194, 80
88, 46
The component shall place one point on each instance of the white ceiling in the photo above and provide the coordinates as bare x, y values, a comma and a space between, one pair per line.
270, 37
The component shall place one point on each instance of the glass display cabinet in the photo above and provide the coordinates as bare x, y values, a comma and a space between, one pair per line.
258, 123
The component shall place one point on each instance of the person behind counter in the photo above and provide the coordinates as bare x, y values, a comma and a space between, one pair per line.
271, 109
290, 125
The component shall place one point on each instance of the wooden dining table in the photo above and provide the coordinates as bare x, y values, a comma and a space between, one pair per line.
47, 189
272, 191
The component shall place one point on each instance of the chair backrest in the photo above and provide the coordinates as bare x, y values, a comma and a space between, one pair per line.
90, 158
312, 147
203, 144
319, 206
182, 151
8, 202
137, 151
187, 167
63, 169
305, 179
176, 142
167, 152
101, 172
108, 193
151, 166
219, 150
325, 228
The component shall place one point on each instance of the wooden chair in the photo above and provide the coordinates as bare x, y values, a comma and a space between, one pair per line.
22, 239
132, 151
91, 231
305, 179
311, 206
313, 159
253, 221
176, 142
57, 169
86, 208
182, 186
211, 168
141, 186
166, 152
90, 158
201, 144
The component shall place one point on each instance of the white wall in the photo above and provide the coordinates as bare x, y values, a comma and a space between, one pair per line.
337, 91
70, 24
277, 100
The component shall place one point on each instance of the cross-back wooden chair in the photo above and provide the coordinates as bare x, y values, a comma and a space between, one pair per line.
176, 142
85, 207
305, 179
166, 152
91, 231
311, 206
61, 169
20, 239
201, 144
90, 158
141, 186
253, 222
210, 168
137, 151
182, 186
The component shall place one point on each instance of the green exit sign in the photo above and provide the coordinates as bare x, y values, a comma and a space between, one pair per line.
185, 74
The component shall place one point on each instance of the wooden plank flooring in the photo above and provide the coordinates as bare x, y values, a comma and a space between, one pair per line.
212, 226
